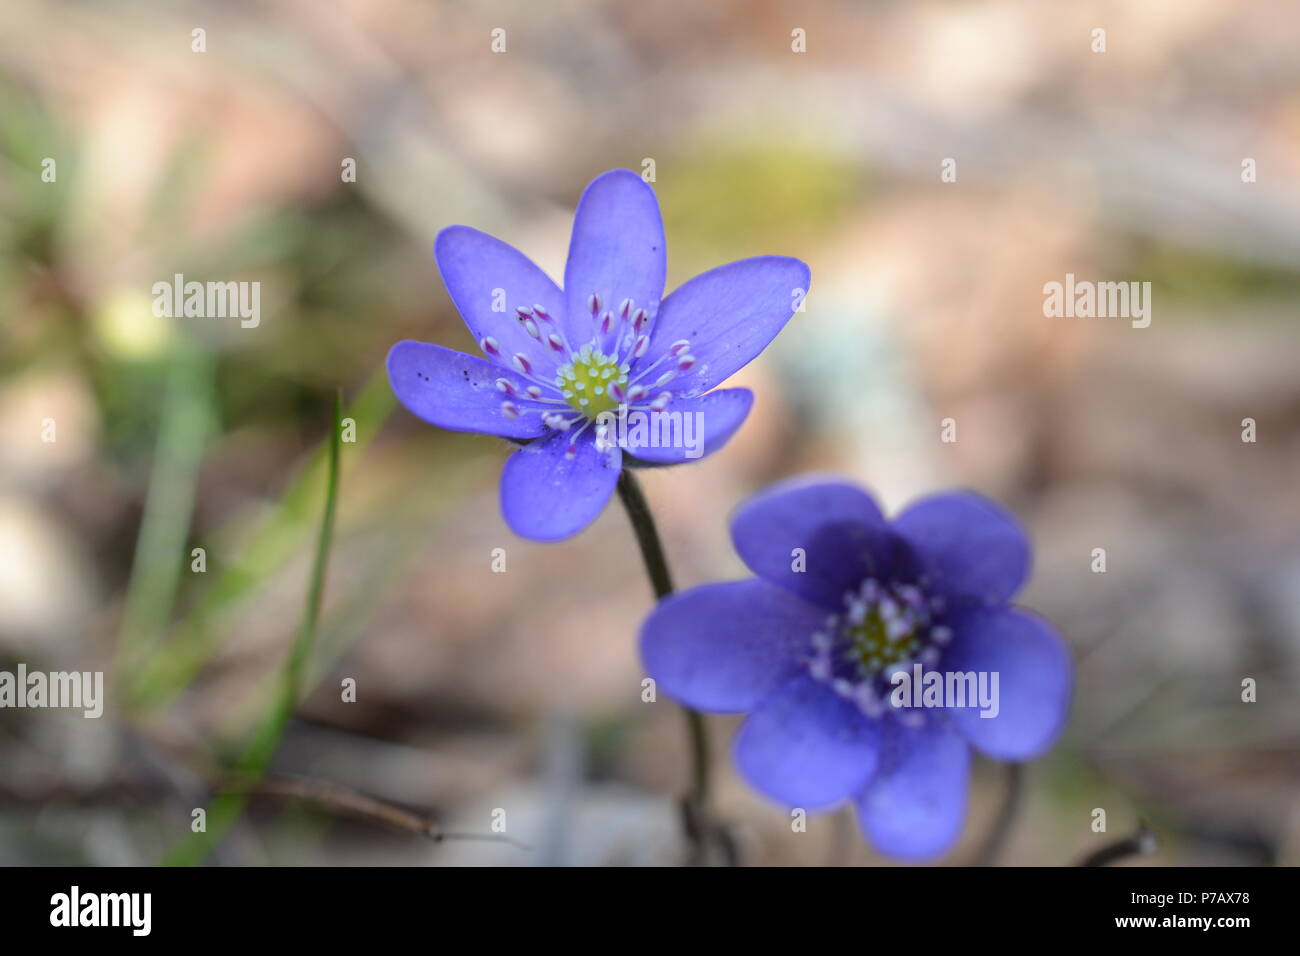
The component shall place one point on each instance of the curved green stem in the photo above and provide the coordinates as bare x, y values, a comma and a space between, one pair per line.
647, 536
695, 810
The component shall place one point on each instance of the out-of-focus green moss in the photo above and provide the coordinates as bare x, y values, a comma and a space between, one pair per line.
747, 198
1208, 284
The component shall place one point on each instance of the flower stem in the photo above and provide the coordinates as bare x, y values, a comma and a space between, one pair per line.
1000, 832
695, 808
643, 523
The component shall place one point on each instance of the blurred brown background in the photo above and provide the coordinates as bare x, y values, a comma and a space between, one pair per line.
521, 690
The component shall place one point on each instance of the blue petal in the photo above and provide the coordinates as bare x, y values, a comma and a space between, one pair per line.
729, 315
487, 280
454, 391
1035, 680
724, 647
548, 496
840, 530
914, 807
711, 419
807, 747
617, 250
966, 547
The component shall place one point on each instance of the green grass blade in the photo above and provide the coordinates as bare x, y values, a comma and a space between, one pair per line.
197, 637
252, 764
160, 548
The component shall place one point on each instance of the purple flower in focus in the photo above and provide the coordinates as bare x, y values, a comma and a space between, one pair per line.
555, 360
809, 655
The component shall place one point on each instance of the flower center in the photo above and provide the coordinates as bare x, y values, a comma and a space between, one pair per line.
882, 628
592, 382
586, 382
879, 642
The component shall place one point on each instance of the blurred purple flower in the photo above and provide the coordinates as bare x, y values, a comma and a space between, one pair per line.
555, 360
809, 654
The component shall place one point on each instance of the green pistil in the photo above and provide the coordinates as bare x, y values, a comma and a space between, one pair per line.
585, 382
871, 649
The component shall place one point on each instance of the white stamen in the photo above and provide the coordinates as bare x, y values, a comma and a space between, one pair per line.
857, 612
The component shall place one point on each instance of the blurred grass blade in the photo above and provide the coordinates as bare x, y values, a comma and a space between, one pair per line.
160, 547
252, 764
197, 638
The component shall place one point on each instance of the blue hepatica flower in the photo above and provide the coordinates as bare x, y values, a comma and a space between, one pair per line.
814, 651
555, 360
